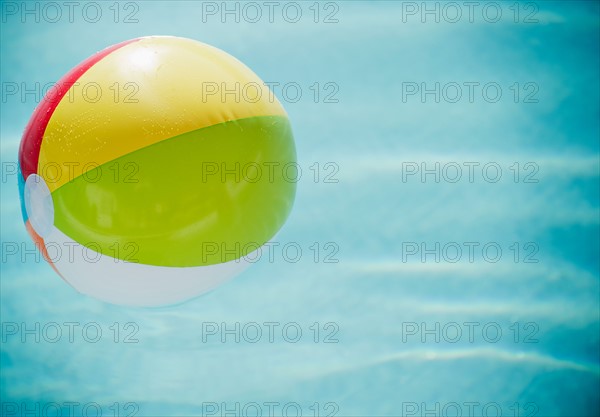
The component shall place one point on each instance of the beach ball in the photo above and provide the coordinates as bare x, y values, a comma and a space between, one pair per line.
155, 170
